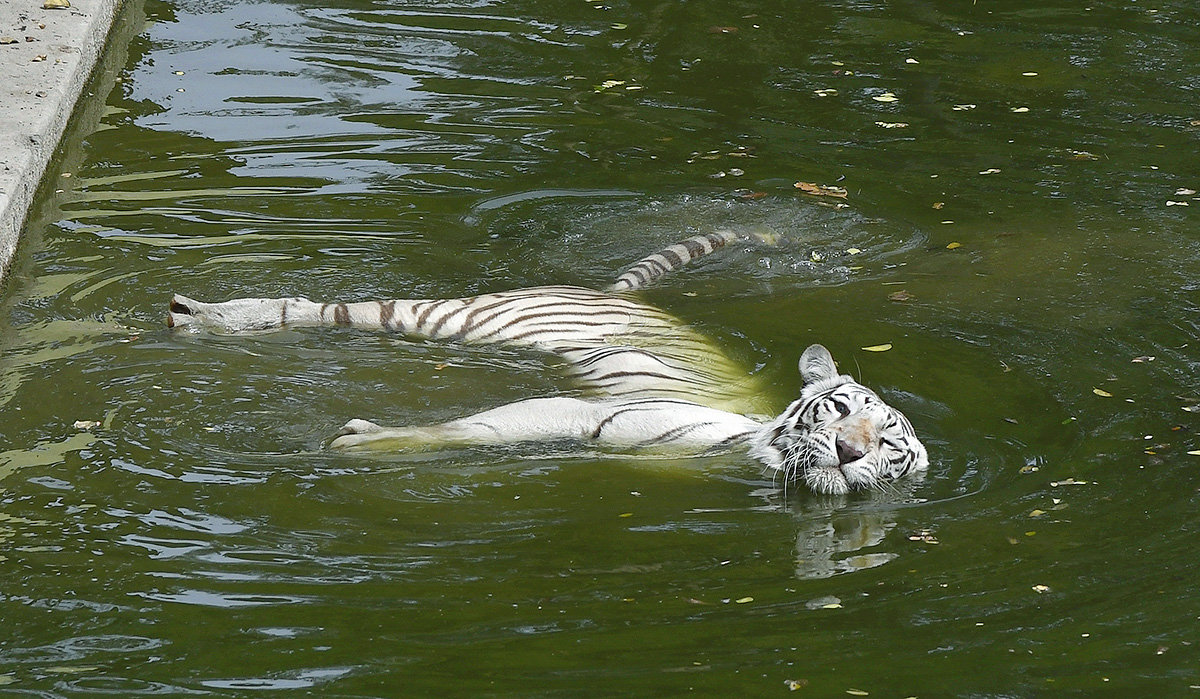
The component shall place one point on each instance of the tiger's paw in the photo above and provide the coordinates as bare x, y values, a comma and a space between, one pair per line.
355, 433
236, 316
357, 426
183, 311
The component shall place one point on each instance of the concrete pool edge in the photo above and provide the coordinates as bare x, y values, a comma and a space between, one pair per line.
46, 61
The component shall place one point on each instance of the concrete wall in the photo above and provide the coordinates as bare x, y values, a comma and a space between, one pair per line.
46, 58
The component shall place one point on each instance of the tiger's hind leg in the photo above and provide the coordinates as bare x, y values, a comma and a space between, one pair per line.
253, 315
236, 316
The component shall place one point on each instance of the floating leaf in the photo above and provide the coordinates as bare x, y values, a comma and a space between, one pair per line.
924, 536
1040, 589
858, 693
911, 61
878, 348
827, 92
953, 246
608, 85
853, 251
886, 97
625, 514
744, 600
821, 190
55, 5
1069, 481
900, 296
1102, 393
8, 40
1019, 110
620, 25
86, 424
1037, 513
938, 204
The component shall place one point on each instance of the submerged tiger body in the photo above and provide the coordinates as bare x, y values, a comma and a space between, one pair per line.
652, 381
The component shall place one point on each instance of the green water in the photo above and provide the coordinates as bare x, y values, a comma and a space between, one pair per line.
200, 541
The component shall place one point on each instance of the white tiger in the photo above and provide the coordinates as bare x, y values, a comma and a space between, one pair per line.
654, 382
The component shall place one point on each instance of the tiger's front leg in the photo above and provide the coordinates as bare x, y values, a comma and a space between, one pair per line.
538, 419
652, 423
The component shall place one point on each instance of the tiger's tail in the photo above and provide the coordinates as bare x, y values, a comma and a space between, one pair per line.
651, 267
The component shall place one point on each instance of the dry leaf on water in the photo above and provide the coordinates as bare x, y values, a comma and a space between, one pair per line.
821, 190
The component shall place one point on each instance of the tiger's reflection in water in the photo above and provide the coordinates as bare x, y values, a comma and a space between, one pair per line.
835, 537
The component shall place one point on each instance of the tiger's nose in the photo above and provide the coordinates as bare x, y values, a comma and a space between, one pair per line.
847, 452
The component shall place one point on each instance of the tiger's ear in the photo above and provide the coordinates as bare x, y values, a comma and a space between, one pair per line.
816, 364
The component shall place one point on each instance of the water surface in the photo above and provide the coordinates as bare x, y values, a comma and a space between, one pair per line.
1024, 175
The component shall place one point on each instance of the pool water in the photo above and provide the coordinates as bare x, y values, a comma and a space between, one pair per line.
1019, 224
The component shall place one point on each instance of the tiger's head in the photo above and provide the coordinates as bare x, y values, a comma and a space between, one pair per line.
839, 436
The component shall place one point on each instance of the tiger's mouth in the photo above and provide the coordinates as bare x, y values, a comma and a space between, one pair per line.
824, 480
827, 470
